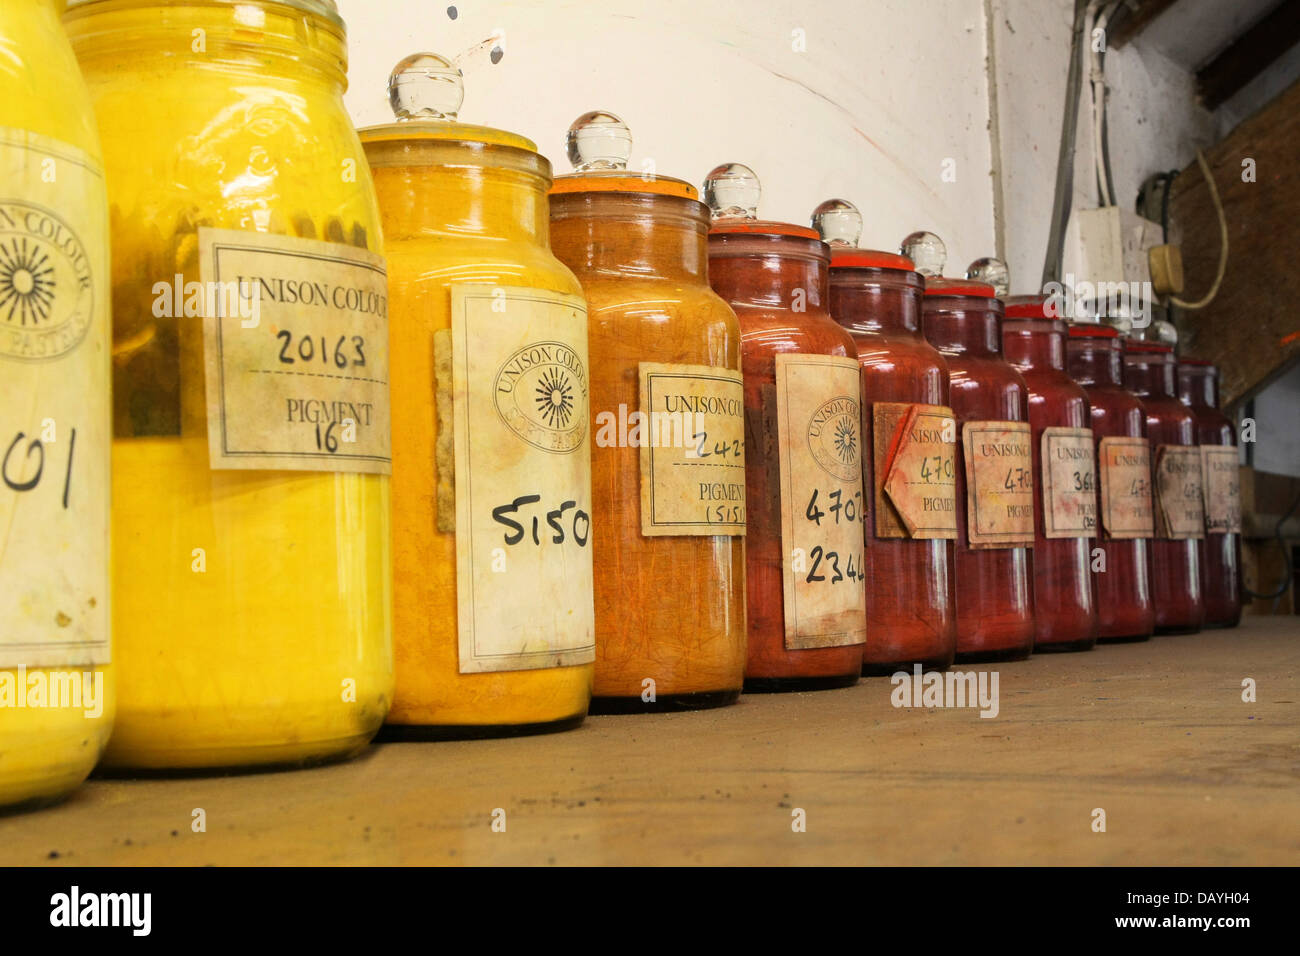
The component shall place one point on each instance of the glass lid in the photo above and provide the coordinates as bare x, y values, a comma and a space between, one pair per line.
839, 223
599, 145
930, 255
732, 192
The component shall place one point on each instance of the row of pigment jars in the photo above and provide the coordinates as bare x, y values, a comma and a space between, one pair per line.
1177, 505
1125, 611
493, 515
908, 451
668, 508
1198, 387
803, 445
1065, 501
251, 451
54, 418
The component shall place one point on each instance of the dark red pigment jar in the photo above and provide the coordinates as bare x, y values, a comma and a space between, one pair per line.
1094, 359
1065, 503
1198, 387
909, 459
804, 560
995, 489
1149, 373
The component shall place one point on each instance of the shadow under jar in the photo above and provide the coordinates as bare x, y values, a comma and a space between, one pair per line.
1198, 387
1149, 373
492, 621
669, 549
909, 460
1065, 473
995, 486
803, 447
1094, 359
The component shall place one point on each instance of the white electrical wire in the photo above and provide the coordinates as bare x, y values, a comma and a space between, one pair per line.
1223, 240
1099, 12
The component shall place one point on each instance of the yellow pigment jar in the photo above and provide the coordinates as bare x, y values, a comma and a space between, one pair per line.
492, 624
251, 447
56, 695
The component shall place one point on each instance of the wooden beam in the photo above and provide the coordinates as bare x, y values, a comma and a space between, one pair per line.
1250, 54
1128, 23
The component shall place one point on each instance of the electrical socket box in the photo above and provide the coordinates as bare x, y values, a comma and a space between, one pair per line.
1107, 248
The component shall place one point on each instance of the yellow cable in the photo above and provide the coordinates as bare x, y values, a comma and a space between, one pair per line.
1223, 241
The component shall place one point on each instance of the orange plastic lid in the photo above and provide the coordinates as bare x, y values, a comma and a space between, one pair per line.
761, 227
619, 180
941, 286
1090, 330
842, 258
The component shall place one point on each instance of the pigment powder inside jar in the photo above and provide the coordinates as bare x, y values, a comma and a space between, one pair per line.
909, 451
668, 456
251, 579
492, 532
803, 445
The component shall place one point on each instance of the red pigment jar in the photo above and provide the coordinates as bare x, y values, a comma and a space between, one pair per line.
1198, 387
995, 485
804, 547
909, 462
1094, 359
1065, 504
1149, 373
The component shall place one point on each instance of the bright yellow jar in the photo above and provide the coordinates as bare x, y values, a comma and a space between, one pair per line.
56, 690
252, 581
493, 626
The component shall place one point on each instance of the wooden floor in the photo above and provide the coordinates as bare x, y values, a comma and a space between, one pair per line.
1155, 734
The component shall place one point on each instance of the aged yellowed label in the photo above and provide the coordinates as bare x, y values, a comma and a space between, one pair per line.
1180, 511
54, 405
1124, 465
295, 353
999, 484
1069, 476
692, 450
915, 470
523, 478
819, 429
1222, 489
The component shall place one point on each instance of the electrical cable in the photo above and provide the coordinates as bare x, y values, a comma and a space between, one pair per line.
1289, 577
1223, 241
1061, 200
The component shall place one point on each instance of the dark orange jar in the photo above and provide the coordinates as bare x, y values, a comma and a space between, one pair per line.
1094, 359
1198, 388
1149, 373
1065, 503
803, 445
909, 462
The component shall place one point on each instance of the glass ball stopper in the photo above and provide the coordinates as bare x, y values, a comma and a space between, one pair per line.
425, 86
928, 253
732, 191
992, 271
838, 222
598, 140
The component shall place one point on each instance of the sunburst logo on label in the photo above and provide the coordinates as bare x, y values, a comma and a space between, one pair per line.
541, 395
46, 286
835, 438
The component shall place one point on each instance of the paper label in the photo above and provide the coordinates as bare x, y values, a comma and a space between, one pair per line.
54, 405
999, 484
819, 428
1069, 476
915, 454
523, 479
692, 450
1125, 472
1180, 511
295, 353
1222, 489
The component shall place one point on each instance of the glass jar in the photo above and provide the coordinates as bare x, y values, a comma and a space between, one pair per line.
1094, 359
995, 484
1065, 507
909, 451
56, 680
489, 371
667, 403
1149, 373
803, 445
252, 587
1198, 388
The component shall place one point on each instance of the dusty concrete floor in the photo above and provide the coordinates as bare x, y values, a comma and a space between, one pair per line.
1155, 734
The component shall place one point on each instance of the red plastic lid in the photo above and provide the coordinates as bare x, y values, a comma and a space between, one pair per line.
941, 286
1150, 348
842, 258
761, 227
1034, 307
1093, 330
1199, 363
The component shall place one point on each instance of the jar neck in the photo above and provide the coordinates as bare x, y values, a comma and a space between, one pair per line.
863, 305
958, 329
1149, 378
769, 281
632, 235
463, 202
1095, 363
1198, 386
1034, 343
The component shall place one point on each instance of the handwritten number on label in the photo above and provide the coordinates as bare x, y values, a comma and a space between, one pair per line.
578, 528
306, 350
35, 446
